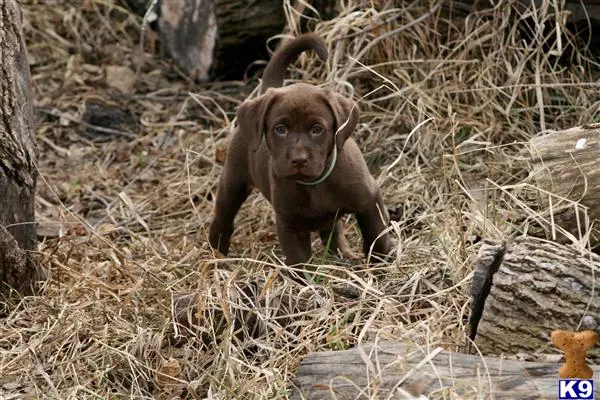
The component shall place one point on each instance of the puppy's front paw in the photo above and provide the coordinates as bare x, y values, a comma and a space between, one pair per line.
219, 239
385, 249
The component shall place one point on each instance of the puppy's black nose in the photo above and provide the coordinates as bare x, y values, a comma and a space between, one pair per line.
299, 159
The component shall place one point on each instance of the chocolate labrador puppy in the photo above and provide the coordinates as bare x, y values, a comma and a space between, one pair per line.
293, 143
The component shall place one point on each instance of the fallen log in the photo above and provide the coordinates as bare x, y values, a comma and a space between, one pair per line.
406, 371
210, 39
564, 169
524, 289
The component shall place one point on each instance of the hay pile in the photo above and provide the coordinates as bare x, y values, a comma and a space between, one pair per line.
448, 98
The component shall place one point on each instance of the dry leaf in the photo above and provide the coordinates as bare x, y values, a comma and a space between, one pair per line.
77, 230
120, 78
169, 373
106, 228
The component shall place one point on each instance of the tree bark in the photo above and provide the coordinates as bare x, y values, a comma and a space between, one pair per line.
565, 170
523, 290
189, 32
379, 371
17, 155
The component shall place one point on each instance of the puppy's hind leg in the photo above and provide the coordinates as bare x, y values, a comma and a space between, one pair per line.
373, 222
232, 191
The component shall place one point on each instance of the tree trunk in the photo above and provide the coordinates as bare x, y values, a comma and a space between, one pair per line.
522, 291
17, 155
565, 170
404, 371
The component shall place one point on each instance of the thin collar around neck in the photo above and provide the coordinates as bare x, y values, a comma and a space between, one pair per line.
327, 173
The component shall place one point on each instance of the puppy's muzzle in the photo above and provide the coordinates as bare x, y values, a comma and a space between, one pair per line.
299, 159
299, 162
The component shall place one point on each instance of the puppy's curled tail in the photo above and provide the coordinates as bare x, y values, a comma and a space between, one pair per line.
286, 54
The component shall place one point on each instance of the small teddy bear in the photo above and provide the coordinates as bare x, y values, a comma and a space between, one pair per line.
574, 345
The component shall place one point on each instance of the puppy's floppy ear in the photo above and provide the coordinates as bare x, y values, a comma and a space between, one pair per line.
346, 114
251, 116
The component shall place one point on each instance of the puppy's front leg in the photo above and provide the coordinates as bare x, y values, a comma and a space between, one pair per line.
372, 222
232, 191
294, 242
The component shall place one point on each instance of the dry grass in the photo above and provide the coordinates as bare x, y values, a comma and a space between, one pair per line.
451, 98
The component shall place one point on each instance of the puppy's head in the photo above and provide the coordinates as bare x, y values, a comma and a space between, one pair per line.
300, 124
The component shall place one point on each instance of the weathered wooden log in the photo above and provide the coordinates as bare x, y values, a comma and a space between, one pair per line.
215, 38
565, 170
17, 156
403, 371
524, 289
221, 38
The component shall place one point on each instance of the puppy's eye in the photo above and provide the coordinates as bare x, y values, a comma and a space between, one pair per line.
317, 129
280, 130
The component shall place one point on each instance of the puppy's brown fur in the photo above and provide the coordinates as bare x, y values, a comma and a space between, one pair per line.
288, 134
